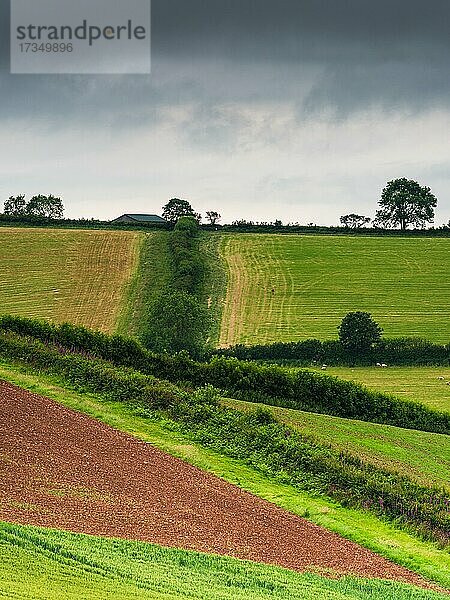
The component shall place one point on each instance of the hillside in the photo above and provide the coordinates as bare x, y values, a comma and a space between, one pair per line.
425, 457
79, 276
293, 287
59, 466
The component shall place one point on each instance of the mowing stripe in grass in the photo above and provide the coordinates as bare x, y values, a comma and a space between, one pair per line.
316, 280
79, 276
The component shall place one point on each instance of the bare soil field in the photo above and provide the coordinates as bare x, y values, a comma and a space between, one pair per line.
62, 469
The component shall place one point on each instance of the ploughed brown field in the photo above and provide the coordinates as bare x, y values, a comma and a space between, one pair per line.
62, 469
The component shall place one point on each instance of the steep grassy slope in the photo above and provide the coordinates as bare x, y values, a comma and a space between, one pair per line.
423, 384
293, 287
425, 457
150, 277
41, 564
357, 525
80, 276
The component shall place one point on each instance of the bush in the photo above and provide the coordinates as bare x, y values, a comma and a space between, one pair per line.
358, 332
176, 323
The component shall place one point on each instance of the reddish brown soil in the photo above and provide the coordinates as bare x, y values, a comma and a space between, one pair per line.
62, 469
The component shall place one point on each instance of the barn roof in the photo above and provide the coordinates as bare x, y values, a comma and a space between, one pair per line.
143, 218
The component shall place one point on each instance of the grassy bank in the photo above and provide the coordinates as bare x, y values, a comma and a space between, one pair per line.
425, 457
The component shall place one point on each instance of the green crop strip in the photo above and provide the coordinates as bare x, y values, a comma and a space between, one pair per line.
49, 564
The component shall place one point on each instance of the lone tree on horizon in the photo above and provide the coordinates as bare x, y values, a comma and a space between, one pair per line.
177, 208
404, 202
354, 221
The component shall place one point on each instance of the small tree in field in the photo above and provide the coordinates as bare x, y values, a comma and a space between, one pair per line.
358, 332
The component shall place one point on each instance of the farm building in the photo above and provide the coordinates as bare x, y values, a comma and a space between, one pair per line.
129, 218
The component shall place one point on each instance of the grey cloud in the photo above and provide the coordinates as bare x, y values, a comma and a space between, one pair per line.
392, 54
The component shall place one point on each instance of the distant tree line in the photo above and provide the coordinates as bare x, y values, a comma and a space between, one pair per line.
403, 203
48, 207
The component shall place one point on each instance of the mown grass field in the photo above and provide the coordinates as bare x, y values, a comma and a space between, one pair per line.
79, 276
51, 565
425, 457
402, 282
422, 384
357, 525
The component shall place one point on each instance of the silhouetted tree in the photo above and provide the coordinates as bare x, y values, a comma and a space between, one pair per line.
404, 202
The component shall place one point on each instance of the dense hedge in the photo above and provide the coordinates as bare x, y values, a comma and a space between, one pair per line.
256, 437
177, 319
88, 373
298, 389
392, 351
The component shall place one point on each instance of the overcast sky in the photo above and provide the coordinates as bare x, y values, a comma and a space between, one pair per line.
299, 110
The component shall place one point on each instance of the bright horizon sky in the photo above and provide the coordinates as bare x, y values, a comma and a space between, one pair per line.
299, 110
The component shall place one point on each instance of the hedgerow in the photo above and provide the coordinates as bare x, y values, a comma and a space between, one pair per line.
272, 385
255, 437
401, 351
177, 319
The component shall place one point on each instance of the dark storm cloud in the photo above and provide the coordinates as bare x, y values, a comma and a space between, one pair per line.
391, 54
301, 29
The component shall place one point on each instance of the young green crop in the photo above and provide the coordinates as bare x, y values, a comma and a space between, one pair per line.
43, 564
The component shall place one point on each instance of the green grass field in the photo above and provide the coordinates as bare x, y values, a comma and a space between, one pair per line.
421, 384
425, 457
402, 282
80, 276
43, 564
360, 526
